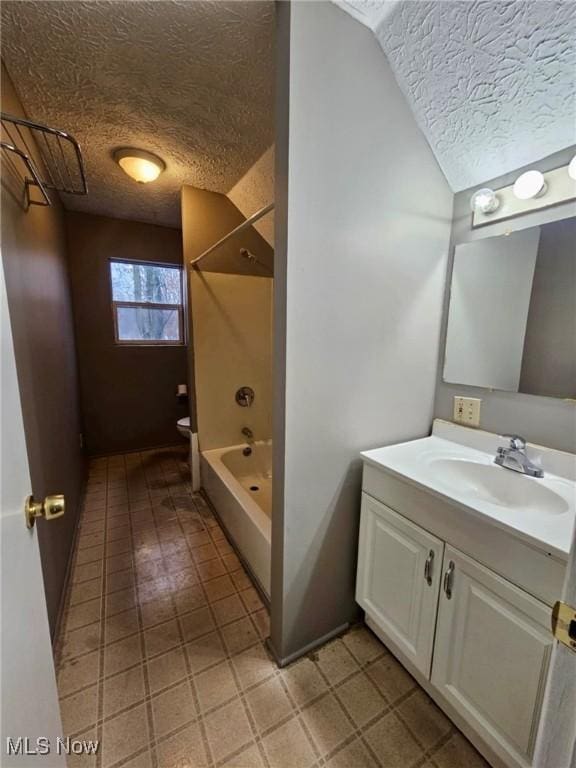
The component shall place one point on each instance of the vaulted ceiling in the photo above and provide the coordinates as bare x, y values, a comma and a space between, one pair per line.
190, 81
492, 83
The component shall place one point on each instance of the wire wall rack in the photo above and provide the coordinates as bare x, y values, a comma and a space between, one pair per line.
60, 167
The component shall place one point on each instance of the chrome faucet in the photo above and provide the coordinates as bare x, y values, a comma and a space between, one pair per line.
514, 457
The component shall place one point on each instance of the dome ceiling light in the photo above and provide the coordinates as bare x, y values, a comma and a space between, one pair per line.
140, 165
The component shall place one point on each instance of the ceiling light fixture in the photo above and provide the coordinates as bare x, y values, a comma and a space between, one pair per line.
140, 165
529, 185
572, 168
484, 200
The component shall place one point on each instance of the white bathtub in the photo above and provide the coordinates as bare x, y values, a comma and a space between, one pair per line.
240, 488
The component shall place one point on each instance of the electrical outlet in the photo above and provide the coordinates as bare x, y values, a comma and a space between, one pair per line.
467, 410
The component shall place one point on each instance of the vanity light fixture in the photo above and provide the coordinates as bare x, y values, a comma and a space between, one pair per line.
531, 192
140, 165
529, 185
484, 200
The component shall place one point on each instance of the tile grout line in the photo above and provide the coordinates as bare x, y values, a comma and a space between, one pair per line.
189, 677
101, 655
216, 630
148, 703
133, 634
193, 686
102, 719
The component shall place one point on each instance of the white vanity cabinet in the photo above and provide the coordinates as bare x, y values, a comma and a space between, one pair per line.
491, 654
398, 580
478, 644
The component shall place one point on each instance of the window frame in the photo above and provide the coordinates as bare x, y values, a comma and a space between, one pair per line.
148, 305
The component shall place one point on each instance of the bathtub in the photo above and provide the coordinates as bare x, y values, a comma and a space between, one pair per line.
240, 488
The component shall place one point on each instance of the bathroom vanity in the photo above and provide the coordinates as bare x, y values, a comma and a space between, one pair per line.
460, 562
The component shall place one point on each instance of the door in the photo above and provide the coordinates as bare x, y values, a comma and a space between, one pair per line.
491, 658
399, 569
30, 708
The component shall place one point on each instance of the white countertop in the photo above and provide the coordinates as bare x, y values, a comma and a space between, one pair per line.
544, 509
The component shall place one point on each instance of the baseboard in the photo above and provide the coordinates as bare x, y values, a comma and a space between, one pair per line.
64, 594
283, 661
177, 443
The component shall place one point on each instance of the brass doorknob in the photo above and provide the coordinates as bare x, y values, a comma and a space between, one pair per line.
52, 506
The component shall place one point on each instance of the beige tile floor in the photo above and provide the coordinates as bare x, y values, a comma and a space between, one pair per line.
161, 655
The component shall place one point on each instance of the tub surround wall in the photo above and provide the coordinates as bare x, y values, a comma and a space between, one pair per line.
206, 218
362, 231
34, 261
232, 319
544, 420
231, 328
128, 392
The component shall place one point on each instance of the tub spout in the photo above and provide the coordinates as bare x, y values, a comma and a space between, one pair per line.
248, 434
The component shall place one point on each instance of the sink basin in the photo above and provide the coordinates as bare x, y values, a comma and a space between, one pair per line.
541, 511
498, 486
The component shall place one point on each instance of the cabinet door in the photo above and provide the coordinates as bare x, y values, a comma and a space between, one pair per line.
493, 645
399, 570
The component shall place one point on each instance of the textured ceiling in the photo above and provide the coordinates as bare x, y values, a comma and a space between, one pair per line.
492, 83
189, 81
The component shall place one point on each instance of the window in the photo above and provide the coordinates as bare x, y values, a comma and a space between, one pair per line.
147, 303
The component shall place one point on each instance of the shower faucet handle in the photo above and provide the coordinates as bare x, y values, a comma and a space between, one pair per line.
245, 397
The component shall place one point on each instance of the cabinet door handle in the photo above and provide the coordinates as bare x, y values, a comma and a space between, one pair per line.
428, 567
449, 579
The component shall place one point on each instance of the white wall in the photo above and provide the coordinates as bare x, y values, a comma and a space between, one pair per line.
489, 302
254, 191
363, 223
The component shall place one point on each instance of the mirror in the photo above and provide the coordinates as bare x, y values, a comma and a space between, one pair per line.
512, 313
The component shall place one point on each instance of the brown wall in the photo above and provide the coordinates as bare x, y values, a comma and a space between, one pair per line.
128, 393
34, 260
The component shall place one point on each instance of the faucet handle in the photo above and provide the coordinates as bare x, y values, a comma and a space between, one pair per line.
517, 443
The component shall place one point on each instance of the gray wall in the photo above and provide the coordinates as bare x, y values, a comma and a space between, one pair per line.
549, 361
363, 223
35, 266
543, 420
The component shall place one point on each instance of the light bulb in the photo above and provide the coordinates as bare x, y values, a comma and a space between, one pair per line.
572, 168
529, 185
484, 200
140, 165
